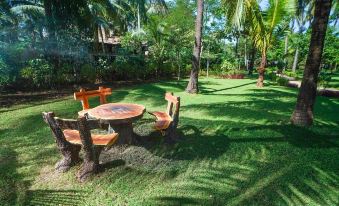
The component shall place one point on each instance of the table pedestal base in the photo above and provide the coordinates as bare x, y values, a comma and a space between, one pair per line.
125, 131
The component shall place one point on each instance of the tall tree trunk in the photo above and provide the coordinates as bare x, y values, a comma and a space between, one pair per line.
96, 39
261, 70
139, 24
303, 113
91, 157
192, 86
179, 64
49, 19
295, 61
245, 55
236, 49
102, 39
252, 59
285, 53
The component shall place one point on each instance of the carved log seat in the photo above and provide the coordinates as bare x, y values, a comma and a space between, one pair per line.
71, 135
167, 122
163, 120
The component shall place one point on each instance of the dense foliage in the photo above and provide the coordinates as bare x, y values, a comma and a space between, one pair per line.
47, 44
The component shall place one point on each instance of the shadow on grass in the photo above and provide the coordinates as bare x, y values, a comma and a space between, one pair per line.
225, 156
252, 182
206, 91
11, 182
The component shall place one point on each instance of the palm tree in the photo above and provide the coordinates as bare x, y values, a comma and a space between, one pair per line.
302, 16
303, 112
192, 86
263, 24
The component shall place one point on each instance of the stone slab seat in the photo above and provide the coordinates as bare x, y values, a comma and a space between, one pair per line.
163, 120
107, 140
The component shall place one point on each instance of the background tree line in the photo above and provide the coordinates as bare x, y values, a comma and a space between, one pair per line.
47, 44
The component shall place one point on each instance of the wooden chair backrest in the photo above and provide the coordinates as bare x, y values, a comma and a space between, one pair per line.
173, 106
84, 95
57, 125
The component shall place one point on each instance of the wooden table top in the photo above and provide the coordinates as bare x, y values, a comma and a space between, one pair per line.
117, 111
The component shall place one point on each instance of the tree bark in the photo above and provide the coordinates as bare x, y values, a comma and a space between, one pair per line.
261, 70
285, 53
252, 59
69, 151
125, 131
179, 64
96, 39
303, 113
192, 86
91, 159
295, 61
245, 55
102, 40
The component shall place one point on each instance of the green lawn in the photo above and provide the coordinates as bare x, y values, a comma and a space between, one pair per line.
237, 148
333, 82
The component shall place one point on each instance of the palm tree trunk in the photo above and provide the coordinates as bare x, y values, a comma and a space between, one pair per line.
96, 39
102, 39
285, 53
192, 86
245, 55
139, 24
303, 113
252, 59
179, 64
295, 61
261, 70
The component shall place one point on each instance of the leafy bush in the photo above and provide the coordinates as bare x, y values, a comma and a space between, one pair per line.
227, 65
324, 79
87, 73
282, 81
291, 74
271, 73
235, 71
39, 72
4, 73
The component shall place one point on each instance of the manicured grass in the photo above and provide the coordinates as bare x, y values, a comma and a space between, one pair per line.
333, 83
237, 148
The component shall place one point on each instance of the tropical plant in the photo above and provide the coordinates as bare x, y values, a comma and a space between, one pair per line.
303, 113
303, 15
264, 23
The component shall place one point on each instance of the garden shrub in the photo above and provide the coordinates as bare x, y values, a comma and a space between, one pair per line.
64, 74
282, 81
271, 73
39, 72
291, 74
324, 79
227, 65
87, 73
4, 74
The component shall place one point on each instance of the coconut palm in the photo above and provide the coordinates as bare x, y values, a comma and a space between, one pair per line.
263, 23
303, 14
303, 113
192, 86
